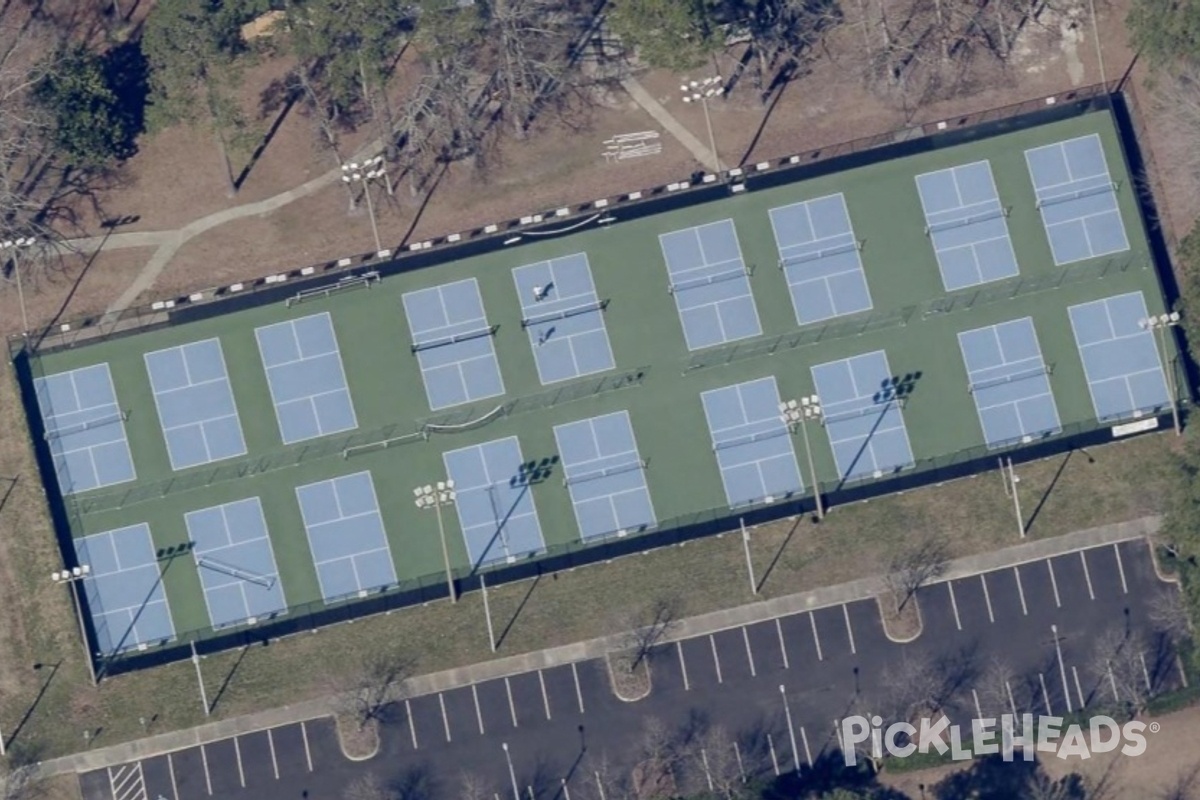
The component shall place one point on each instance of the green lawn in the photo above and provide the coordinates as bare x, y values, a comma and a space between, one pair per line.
644, 329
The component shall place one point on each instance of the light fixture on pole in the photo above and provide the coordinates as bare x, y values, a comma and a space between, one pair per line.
73, 576
15, 245
700, 92
1159, 323
367, 171
435, 497
797, 414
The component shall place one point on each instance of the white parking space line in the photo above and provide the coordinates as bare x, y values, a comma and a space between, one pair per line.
512, 707
1045, 693
954, 605
307, 749
807, 752
816, 638
445, 716
1078, 688
578, 690
566, 789
1012, 703
683, 666
1145, 672
978, 709
987, 598
749, 652
412, 726
1121, 569
274, 760
782, 644
127, 782
237, 750
478, 710
545, 696
1054, 583
1021, 591
1087, 576
171, 772
849, 630
1112, 681
774, 756
716, 658
207, 777
707, 771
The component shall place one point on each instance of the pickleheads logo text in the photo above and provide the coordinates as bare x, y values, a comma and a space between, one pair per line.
1005, 736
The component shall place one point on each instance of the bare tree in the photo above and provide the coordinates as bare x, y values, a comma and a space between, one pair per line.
473, 787
654, 775
1118, 662
369, 787
646, 628
716, 760
1169, 615
995, 689
604, 781
916, 564
364, 692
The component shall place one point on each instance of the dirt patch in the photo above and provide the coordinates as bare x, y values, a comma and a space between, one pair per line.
630, 680
359, 742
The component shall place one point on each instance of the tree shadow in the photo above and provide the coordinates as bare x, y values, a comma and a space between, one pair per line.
127, 72
16, 731
279, 95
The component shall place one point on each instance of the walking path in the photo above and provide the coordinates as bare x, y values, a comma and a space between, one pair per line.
663, 117
594, 648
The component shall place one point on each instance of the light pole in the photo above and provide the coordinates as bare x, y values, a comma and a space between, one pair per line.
797, 414
435, 497
512, 773
15, 245
1159, 324
369, 170
700, 92
73, 576
200, 680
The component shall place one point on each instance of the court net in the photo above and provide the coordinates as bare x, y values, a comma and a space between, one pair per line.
962, 222
607, 472
208, 562
1001, 380
874, 409
349, 281
817, 255
757, 436
554, 316
708, 280
1105, 188
87, 425
443, 341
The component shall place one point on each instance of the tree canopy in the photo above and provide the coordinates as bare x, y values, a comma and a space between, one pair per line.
673, 34
90, 126
1164, 31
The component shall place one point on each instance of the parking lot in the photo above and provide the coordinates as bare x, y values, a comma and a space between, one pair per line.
776, 688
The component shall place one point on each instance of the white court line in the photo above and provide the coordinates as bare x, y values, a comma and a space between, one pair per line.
1054, 584
1087, 576
171, 772
412, 726
782, 644
749, 652
1021, 591
716, 658
683, 666
954, 605
237, 750
816, 638
1078, 688
1121, 569
445, 717
478, 710
512, 708
207, 778
545, 696
987, 598
274, 760
578, 690
849, 630
1045, 693
307, 750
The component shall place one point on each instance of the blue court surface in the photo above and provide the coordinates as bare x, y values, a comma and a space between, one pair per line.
306, 378
236, 563
1120, 358
346, 536
85, 429
125, 592
453, 343
966, 224
863, 416
751, 442
494, 502
195, 404
711, 284
564, 318
606, 476
819, 255
1077, 198
1010, 382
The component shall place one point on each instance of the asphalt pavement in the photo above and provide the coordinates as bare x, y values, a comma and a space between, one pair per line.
758, 699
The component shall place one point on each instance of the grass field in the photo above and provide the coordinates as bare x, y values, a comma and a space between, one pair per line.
644, 329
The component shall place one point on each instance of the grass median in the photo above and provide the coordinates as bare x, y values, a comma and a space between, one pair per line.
47, 703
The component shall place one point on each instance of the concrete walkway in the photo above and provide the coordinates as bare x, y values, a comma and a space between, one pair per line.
595, 648
673, 126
